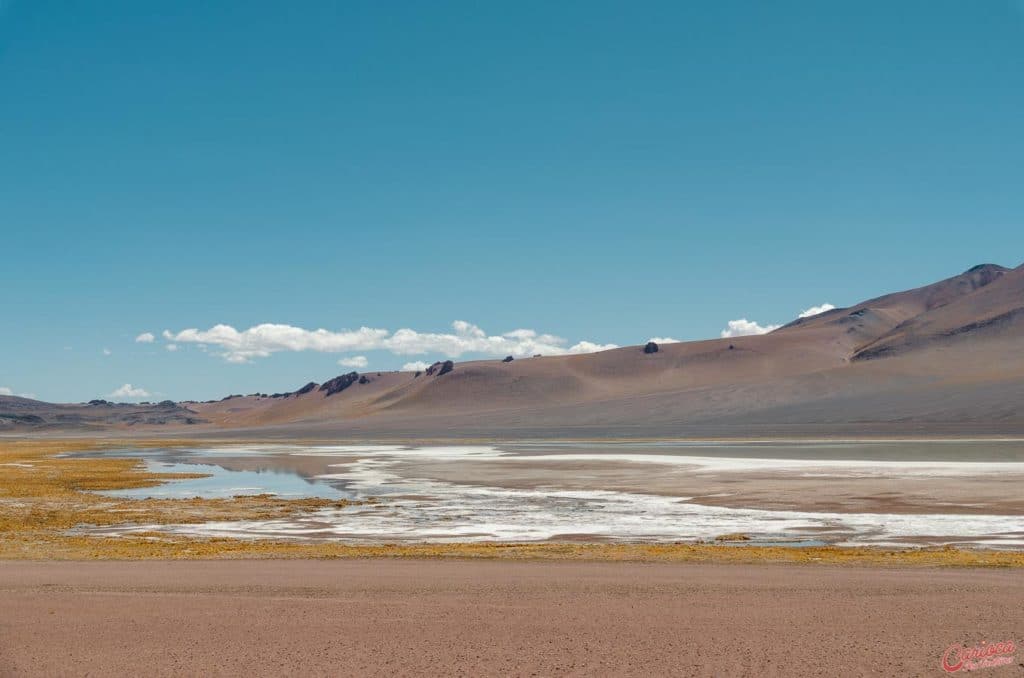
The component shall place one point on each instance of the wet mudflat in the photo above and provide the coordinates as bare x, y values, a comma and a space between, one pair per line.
886, 493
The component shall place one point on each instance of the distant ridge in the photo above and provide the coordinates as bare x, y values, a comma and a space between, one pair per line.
944, 356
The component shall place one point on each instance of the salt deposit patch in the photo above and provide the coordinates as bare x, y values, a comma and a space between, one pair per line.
415, 509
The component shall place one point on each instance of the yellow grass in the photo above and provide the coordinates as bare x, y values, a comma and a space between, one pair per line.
733, 536
43, 496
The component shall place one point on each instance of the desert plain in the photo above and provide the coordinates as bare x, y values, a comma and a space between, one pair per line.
82, 597
838, 496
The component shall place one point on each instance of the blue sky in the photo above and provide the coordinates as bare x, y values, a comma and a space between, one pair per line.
603, 172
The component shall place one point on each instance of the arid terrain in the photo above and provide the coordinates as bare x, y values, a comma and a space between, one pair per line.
529, 339
904, 547
374, 617
943, 359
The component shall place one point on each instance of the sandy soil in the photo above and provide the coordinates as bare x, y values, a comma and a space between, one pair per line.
373, 617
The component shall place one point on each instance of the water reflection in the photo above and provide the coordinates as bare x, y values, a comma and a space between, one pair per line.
222, 482
463, 493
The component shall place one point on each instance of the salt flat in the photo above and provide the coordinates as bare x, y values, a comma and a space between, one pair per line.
856, 493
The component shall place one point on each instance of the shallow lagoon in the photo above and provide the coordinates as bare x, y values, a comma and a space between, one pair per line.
599, 492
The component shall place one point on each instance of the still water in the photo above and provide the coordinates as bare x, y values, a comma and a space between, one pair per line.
659, 492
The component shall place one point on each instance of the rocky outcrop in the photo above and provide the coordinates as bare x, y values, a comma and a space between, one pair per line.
25, 419
507, 359
339, 383
18, 413
306, 389
439, 368
364, 379
651, 347
984, 274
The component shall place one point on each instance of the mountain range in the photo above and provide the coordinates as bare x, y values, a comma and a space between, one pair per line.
946, 358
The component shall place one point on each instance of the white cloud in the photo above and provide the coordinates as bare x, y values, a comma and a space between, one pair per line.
171, 347
415, 366
106, 351
743, 327
354, 361
263, 340
129, 391
589, 347
6, 391
145, 338
815, 310
664, 340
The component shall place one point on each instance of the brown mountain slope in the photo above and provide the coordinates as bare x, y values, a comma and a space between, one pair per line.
18, 413
952, 356
989, 310
478, 387
869, 321
946, 356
